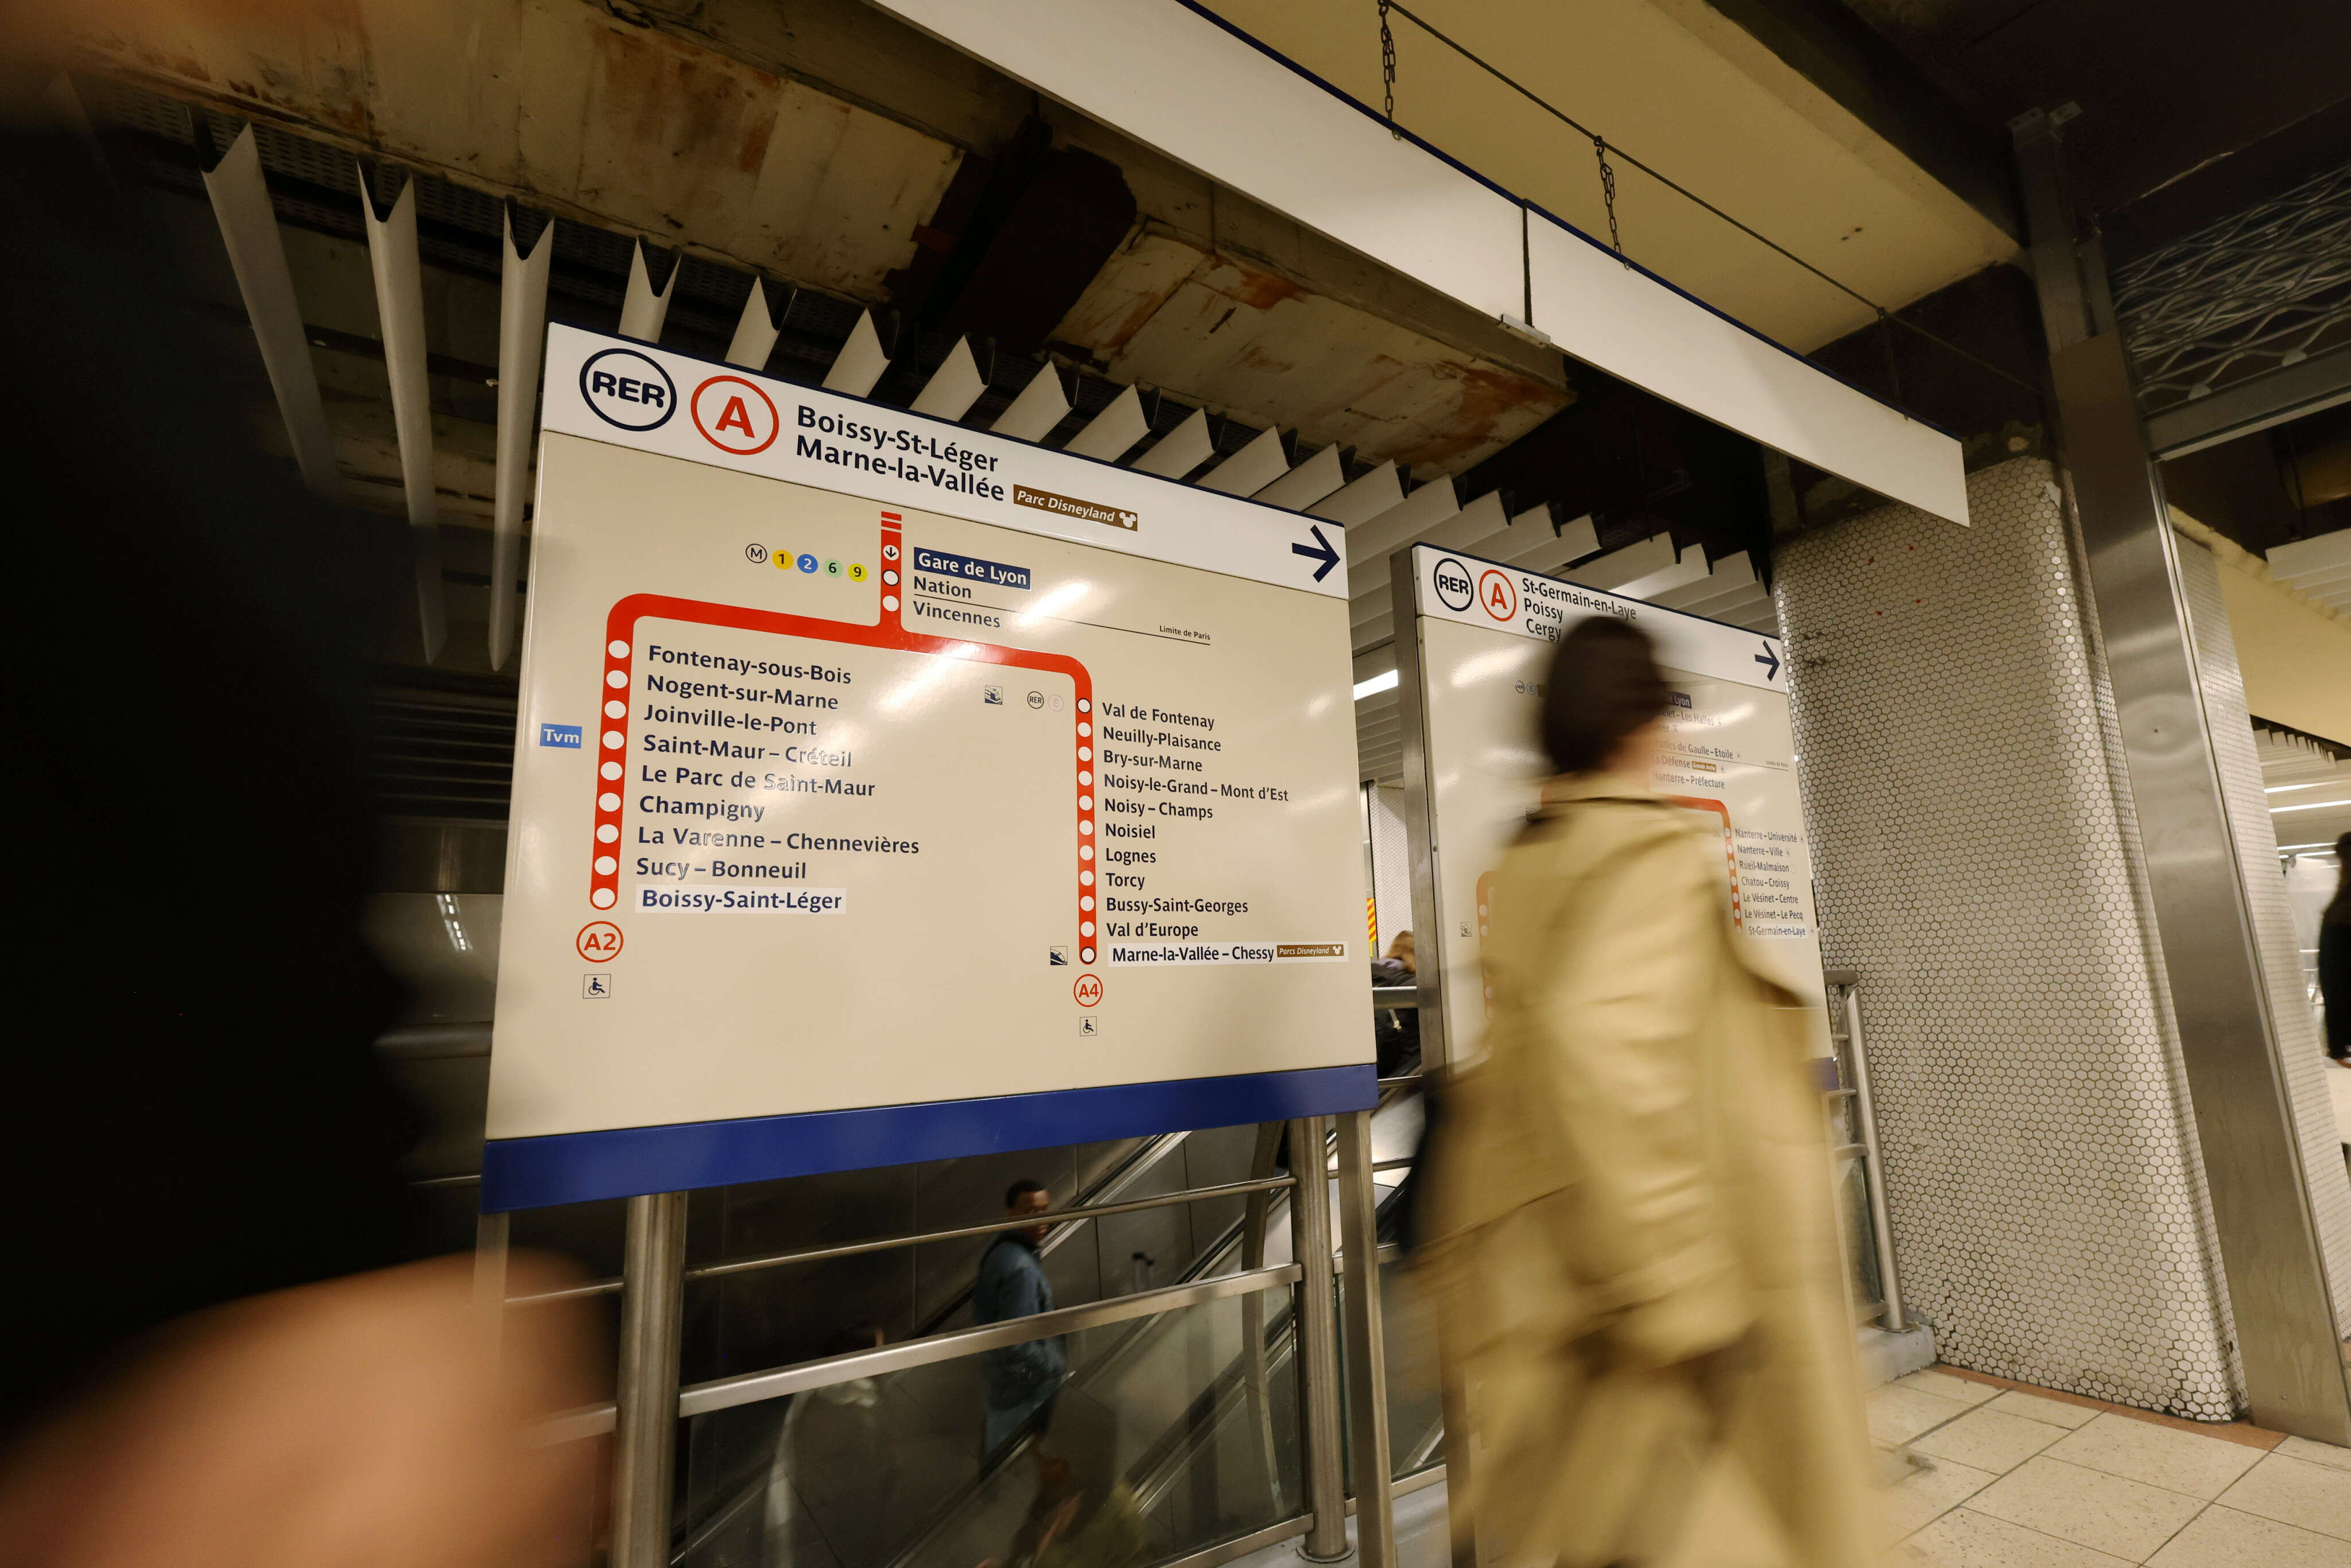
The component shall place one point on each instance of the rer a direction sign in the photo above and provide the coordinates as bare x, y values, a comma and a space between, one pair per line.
889, 791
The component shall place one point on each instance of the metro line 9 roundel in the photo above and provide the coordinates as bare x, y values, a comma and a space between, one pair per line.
626, 388
734, 415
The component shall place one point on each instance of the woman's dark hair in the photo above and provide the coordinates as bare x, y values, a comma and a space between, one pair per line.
2339, 908
1603, 686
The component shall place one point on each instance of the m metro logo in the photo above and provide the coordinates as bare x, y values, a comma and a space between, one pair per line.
627, 388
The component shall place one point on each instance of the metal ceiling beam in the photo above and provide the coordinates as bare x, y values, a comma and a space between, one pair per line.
248, 226
1041, 405
861, 362
2254, 403
1181, 450
399, 311
1364, 499
645, 307
1316, 479
757, 329
1109, 434
954, 386
522, 333
1256, 465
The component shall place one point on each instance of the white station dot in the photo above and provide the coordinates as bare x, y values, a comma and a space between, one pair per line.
1084, 728
614, 740
1085, 879
889, 552
1085, 852
1085, 927
608, 834
1084, 778
1084, 706
608, 801
888, 601
602, 897
1085, 753
891, 578
616, 709
616, 679
1087, 901
1085, 802
1085, 954
606, 866
1086, 828
611, 770
618, 649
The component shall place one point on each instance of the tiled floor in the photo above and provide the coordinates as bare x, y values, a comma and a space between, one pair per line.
1987, 1476
2006, 1478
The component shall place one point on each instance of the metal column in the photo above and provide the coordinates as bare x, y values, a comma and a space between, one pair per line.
1318, 1332
1367, 1374
2286, 1332
644, 1431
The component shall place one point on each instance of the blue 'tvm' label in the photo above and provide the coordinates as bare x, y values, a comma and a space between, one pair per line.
993, 572
566, 736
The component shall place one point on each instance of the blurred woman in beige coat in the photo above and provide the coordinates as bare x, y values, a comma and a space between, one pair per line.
1631, 1220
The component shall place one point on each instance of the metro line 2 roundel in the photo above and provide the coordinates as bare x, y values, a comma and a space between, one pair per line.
623, 387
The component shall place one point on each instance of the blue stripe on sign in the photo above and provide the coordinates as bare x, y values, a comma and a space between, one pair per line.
576, 1167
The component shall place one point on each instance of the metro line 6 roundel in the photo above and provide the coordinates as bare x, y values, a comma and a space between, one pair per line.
734, 416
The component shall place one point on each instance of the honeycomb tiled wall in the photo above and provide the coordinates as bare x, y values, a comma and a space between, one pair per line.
2297, 1029
1976, 863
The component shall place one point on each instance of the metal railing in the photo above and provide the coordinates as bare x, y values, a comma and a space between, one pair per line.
643, 1417
1853, 1086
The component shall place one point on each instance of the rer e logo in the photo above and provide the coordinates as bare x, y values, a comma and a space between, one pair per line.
734, 415
1495, 592
627, 388
1453, 589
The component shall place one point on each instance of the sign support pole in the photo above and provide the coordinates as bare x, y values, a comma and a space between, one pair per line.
1367, 1376
1318, 1331
644, 1432
1438, 1050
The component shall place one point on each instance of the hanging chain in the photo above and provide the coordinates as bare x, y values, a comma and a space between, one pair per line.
1387, 68
1608, 195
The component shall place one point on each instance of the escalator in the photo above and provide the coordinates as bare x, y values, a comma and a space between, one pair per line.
1200, 1405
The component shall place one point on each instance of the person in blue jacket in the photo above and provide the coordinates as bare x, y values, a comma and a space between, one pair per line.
1021, 1380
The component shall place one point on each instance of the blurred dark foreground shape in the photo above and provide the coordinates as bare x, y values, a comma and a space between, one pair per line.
222, 1352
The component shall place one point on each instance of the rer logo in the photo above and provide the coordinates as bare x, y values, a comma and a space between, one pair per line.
628, 389
566, 736
734, 415
1453, 589
1495, 592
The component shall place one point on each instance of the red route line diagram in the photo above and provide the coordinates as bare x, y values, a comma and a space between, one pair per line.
619, 650
1729, 848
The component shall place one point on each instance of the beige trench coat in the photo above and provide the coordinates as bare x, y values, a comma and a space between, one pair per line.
1635, 1177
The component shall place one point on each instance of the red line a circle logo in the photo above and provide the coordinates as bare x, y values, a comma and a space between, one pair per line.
734, 415
1495, 592
1088, 990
